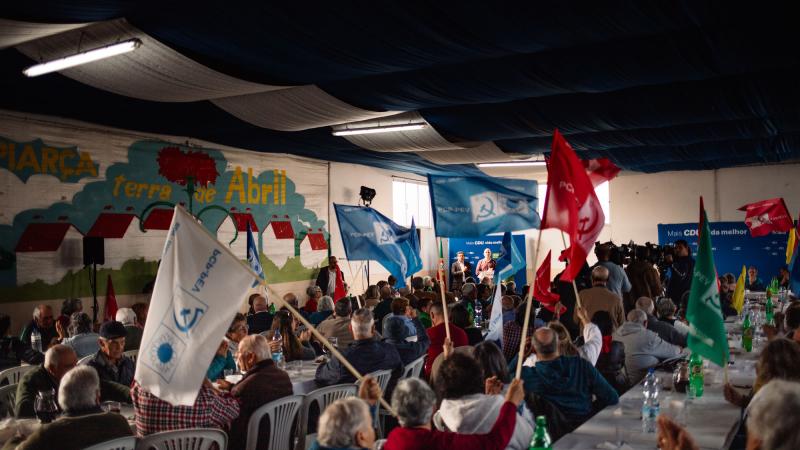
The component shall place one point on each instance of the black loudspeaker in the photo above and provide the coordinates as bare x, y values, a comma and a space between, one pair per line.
93, 251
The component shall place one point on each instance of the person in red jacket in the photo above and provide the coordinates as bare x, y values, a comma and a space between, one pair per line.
413, 401
437, 335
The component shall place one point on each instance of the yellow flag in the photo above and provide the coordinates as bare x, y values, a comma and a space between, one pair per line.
738, 293
790, 245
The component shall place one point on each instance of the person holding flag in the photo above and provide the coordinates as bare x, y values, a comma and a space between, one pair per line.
707, 336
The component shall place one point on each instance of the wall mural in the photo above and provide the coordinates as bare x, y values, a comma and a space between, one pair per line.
122, 189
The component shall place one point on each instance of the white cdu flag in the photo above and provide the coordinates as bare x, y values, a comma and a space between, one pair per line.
197, 292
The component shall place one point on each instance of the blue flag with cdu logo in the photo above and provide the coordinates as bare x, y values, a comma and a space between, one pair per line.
369, 235
252, 256
476, 206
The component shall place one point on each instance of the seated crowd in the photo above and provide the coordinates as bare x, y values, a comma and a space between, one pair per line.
574, 364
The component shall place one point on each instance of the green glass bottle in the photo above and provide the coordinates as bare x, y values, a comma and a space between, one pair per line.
769, 315
696, 377
541, 438
747, 334
272, 308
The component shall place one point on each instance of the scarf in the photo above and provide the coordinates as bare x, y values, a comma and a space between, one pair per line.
606, 344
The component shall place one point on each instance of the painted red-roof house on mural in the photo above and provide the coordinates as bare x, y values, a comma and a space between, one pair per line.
278, 240
225, 232
47, 251
314, 248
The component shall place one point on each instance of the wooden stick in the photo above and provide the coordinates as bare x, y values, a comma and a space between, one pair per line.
574, 286
334, 351
444, 300
529, 300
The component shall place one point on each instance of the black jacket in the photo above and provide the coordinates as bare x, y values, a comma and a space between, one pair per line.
366, 355
322, 280
381, 310
612, 366
665, 331
680, 280
409, 351
122, 373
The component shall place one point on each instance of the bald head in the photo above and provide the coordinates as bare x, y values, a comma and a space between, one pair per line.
43, 316
60, 359
645, 304
600, 275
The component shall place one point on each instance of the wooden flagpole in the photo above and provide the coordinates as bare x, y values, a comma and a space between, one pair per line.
529, 303
441, 291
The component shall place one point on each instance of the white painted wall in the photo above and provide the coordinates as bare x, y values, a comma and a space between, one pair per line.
639, 202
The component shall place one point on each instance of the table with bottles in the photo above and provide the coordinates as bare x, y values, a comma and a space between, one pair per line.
710, 419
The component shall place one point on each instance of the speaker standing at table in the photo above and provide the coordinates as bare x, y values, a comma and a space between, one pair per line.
459, 270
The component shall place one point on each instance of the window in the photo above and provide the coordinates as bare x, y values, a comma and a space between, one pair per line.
411, 199
602, 192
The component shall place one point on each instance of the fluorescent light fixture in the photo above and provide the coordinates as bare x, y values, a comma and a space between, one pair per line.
385, 129
513, 164
83, 58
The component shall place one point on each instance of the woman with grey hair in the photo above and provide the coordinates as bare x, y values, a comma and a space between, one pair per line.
665, 308
324, 310
314, 293
413, 401
347, 422
82, 339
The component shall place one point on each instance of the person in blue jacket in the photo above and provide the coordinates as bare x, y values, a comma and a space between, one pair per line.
568, 382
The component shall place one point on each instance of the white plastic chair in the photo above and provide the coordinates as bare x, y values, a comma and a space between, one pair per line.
123, 443
8, 398
414, 368
382, 377
85, 359
132, 354
14, 374
281, 414
322, 397
189, 439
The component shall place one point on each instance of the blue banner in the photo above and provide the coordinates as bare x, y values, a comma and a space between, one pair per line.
473, 252
369, 235
252, 255
472, 206
733, 246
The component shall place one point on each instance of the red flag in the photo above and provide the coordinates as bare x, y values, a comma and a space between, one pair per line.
571, 205
111, 302
541, 290
767, 215
600, 170
339, 292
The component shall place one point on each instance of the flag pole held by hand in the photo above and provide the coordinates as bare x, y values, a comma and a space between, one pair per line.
528, 305
441, 290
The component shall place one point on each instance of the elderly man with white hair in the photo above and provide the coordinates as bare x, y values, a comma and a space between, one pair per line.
262, 383
127, 317
367, 354
83, 423
643, 348
664, 330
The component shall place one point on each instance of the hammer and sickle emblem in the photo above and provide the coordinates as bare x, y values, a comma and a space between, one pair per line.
583, 228
187, 322
487, 209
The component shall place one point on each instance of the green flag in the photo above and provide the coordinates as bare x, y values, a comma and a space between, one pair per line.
707, 336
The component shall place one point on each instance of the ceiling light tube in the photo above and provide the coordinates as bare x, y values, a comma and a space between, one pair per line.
384, 129
83, 58
513, 164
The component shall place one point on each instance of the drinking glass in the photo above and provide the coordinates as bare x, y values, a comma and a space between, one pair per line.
45, 406
114, 407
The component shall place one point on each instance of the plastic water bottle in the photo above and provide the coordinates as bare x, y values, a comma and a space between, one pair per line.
36, 340
277, 356
650, 404
478, 314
